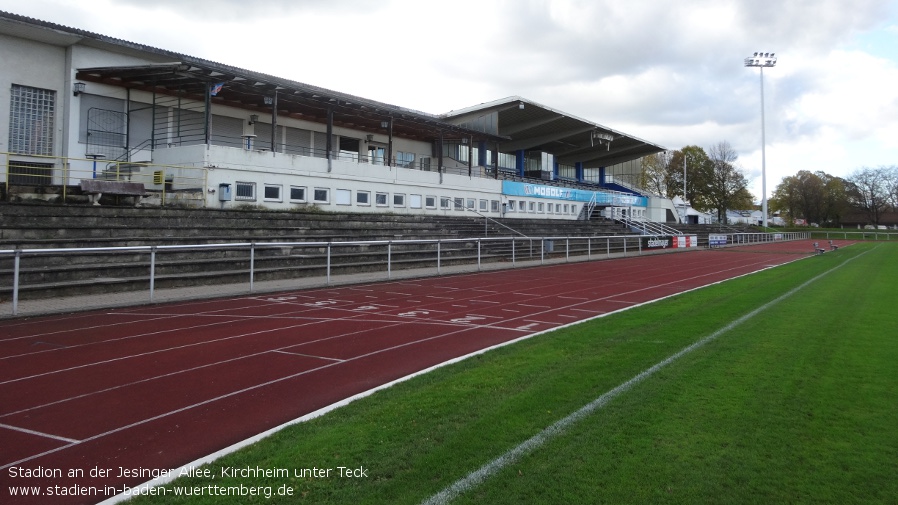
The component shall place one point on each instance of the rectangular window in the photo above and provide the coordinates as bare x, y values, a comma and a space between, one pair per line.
32, 117
445, 203
531, 207
245, 191
322, 195
511, 205
405, 160
363, 198
484, 205
430, 202
469, 204
343, 197
414, 201
297, 194
541, 208
272, 193
398, 200
459, 204
381, 199
424, 164
494, 205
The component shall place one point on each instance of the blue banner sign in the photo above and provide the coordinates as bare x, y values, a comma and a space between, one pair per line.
603, 198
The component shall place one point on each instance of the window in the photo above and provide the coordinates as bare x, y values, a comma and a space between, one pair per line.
566, 208
272, 193
381, 199
567, 171
405, 160
445, 203
541, 207
343, 197
511, 205
469, 204
430, 202
32, 114
414, 201
558, 208
459, 204
363, 198
322, 195
531, 207
484, 205
245, 191
424, 164
494, 205
298, 194
398, 200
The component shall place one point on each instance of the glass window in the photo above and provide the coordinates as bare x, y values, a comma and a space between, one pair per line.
459, 204
405, 160
32, 117
414, 201
398, 200
272, 193
494, 205
469, 204
297, 194
511, 205
445, 203
245, 191
430, 202
343, 197
363, 197
381, 199
322, 195
484, 205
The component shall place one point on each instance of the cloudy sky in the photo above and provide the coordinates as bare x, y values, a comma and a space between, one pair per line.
668, 72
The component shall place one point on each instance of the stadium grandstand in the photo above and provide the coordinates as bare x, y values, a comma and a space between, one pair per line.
89, 115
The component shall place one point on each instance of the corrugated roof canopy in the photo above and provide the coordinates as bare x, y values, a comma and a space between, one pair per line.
248, 90
534, 127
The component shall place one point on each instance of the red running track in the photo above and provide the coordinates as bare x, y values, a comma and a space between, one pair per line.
156, 387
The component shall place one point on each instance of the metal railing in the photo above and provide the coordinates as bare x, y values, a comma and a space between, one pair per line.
77, 272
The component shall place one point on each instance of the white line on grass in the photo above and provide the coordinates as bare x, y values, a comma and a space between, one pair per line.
478, 476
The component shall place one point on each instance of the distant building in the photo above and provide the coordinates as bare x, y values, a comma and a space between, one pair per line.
78, 105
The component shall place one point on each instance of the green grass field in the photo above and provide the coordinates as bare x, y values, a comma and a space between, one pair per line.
797, 404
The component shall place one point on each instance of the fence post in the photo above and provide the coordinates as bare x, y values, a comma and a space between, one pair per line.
15, 282
478, 255
328, 263
389, 259
439, 243
512, 252
252, 265
567, 249
588, 248
152, 272
542, 251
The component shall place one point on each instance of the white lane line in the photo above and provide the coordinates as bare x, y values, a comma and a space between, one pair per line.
40, 434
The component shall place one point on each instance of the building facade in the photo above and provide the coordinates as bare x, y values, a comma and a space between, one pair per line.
80, 105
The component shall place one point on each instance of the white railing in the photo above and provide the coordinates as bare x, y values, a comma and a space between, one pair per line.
242, 260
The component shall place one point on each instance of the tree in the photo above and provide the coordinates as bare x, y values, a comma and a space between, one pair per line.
656, 173
721, 185
694, 159
868, 191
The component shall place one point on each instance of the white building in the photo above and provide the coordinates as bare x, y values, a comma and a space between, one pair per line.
77, 105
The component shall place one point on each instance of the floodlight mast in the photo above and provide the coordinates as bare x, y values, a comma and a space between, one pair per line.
762, 60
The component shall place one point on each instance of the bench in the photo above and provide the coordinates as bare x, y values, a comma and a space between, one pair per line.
817, 249
96, 188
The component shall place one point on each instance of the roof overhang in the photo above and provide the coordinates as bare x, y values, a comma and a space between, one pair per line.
534, 127
262, 93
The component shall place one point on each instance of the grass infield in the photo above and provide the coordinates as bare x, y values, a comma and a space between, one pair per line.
798, 404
